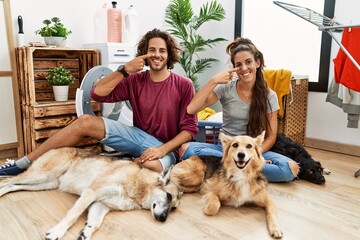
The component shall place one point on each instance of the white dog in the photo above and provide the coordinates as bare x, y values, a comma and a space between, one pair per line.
102, 183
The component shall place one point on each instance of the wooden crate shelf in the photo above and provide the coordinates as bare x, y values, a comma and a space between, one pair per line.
34, 64
42, 117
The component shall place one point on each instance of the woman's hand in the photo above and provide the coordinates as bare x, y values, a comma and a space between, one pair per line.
224, 76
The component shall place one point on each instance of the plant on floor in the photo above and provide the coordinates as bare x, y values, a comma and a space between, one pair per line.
59, 76
184, 25
53, 28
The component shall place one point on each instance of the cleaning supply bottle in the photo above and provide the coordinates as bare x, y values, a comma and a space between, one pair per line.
114, 23
131, 26
101, 25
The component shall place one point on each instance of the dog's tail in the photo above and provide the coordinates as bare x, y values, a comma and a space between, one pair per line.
189, 174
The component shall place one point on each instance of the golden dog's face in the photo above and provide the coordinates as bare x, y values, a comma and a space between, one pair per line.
240, 151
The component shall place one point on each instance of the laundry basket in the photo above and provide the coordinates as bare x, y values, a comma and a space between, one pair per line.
208, 131
293, 123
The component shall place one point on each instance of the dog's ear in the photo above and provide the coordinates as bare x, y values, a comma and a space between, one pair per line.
165, 175
225, 139
260, 139
181, 191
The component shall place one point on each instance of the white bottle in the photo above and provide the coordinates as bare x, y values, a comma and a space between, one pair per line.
100, 24
131, 26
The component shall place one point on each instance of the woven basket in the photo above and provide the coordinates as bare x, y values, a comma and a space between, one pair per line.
293, 123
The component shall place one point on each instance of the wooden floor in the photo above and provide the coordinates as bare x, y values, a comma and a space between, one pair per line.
305, 211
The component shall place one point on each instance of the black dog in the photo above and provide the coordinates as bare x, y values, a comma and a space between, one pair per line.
310, 170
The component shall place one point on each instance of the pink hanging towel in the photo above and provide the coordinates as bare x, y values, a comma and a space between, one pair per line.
346, 73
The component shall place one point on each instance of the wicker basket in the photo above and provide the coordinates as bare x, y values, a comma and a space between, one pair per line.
293, 123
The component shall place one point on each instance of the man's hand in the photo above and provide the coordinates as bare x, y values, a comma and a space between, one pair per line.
137, 64
152, 154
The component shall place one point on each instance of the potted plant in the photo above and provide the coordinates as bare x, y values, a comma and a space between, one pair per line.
60, 79
54, 32
179, 15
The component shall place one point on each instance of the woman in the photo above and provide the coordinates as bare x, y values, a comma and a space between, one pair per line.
249, 107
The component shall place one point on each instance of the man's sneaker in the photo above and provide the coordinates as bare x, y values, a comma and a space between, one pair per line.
10, 169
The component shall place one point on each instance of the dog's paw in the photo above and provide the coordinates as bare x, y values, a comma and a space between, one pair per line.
54, 234
212, 208
326, 171
212, 204
82, 236
87, 232
276, 233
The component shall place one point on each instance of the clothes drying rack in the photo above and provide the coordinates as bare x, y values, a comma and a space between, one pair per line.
324, 24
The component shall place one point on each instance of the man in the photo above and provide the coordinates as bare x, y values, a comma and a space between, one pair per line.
158, 97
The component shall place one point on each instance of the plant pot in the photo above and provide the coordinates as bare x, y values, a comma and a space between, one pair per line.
61, 93
55, 41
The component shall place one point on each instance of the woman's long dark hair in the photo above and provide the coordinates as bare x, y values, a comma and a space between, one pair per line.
258, 120
173, 48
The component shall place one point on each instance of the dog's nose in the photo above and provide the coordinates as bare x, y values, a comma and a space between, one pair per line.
162, 217
241, 155
321, 180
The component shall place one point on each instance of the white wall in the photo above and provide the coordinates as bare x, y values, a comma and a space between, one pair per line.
289, 42
78, 16
324, 120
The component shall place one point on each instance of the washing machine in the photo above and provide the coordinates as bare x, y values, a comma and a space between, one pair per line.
112, 55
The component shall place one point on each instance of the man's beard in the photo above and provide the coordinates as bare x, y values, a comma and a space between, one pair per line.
157, 67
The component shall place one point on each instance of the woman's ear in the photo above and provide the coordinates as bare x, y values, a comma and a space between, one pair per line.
257, 63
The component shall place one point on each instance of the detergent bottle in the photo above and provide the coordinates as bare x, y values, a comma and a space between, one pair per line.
131, 26
114, 23
100, 24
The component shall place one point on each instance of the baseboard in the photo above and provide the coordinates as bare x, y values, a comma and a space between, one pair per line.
333, 146
8, 150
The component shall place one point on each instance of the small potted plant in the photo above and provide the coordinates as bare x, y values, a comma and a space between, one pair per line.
54, 32
60, 79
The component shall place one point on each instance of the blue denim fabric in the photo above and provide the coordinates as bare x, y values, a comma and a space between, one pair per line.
278, 171
132, 140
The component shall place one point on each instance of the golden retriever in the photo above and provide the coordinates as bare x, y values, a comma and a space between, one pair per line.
233, 181
103, 184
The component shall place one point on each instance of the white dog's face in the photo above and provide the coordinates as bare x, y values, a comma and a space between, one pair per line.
165, 198
165, 201
241, 150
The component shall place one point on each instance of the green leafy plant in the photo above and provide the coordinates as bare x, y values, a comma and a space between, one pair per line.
53, 28
60, 77
179, 15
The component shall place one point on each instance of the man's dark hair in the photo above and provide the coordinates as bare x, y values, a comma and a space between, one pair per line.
172, 46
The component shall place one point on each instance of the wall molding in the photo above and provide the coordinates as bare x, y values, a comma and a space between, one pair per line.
9, 150
333, 146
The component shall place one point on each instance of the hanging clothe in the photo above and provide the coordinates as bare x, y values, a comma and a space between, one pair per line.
279, 81
346, 73
347, 99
